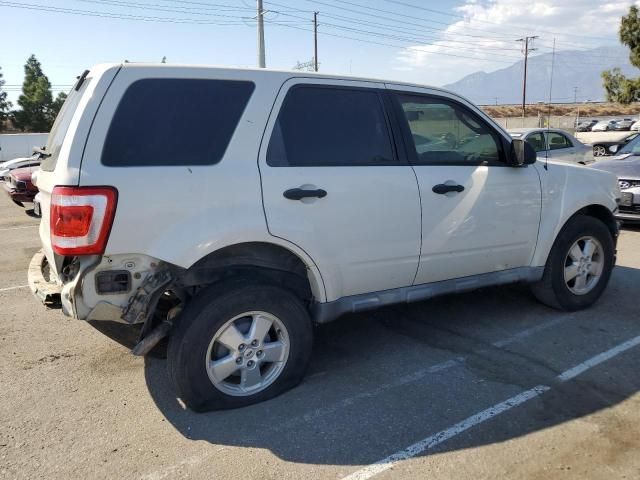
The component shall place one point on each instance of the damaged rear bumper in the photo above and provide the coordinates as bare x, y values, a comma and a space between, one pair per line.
42, 281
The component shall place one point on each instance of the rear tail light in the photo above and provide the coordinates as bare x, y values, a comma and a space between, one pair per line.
81, 219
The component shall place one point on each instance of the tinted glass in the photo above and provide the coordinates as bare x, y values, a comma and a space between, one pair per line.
536, 140
60, 126
321, 127
558, 141
445, 133
175, 122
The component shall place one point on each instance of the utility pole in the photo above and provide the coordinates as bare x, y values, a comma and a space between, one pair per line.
526, 49
260, 18
315, 41
575, 94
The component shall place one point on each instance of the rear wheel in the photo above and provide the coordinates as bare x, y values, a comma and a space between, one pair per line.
579, 265
239, 344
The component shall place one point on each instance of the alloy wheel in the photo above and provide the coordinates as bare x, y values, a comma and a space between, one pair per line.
583, 265
248, 353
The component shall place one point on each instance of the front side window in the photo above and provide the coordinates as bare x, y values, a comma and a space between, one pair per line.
172, 121
324, 126
444, 132
536, 140
557, 141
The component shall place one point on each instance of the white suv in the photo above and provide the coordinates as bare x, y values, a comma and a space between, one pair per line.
232, 209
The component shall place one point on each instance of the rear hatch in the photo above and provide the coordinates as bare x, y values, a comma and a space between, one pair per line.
62, 155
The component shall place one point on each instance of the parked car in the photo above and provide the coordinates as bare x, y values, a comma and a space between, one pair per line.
19, 186
15, 145
276, 200
626, 166
602, 148
585, 125
555, 144
603, 125
635, 127
623, 124
6, 167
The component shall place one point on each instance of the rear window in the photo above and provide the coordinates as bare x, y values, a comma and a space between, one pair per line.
170, 122
60, 127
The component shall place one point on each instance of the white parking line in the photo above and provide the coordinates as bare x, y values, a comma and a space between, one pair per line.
19, 228
13, 288
444, 435
412, 377
597, 360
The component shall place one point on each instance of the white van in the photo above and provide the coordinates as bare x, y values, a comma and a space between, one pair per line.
15, 145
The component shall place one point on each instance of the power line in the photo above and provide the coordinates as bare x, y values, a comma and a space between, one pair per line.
420, 7
396, 46
403, 21
412, 17
444, 43
122, 16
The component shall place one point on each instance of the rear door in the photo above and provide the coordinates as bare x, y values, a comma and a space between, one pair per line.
334, 184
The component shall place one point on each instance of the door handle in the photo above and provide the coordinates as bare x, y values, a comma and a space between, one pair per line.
443, 188
300, 193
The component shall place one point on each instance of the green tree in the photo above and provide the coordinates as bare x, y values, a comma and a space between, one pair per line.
56, 105
630, 34
5, 105
619, 88
36, 99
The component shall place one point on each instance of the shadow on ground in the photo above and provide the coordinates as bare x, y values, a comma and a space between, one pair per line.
359, 403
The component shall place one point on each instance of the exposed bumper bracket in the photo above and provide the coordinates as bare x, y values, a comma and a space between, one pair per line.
40, 282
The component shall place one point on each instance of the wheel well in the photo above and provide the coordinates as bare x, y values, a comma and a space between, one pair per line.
255, 259
603, 214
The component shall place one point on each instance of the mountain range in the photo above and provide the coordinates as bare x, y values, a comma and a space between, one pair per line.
571, 69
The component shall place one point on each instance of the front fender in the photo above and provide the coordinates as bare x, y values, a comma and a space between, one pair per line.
567, 189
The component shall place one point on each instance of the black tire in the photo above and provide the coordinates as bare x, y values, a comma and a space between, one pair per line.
552, 290
206, 314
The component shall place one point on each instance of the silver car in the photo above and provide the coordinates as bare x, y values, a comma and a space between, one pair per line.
555, 144
626, 165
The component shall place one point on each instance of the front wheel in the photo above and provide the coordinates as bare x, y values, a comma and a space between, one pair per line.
239, 344
599, 151
579, 265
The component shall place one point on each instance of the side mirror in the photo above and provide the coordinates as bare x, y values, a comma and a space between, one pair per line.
522, 153
614, 148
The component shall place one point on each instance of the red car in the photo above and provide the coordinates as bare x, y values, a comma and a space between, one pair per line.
19, 186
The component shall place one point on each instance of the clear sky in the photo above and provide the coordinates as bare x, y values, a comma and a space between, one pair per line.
426, 41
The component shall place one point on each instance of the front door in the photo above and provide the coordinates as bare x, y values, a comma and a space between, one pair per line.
478, 214
333, 184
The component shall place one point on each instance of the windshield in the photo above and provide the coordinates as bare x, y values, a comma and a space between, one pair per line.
633, 147
60, 127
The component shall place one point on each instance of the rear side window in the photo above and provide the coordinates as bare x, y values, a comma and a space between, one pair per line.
327, 126
557, 141
61, 126
171, 122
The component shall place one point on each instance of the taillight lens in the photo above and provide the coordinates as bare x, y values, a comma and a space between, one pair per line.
81, 219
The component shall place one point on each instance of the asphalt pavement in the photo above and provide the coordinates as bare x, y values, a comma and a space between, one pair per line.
487, 384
